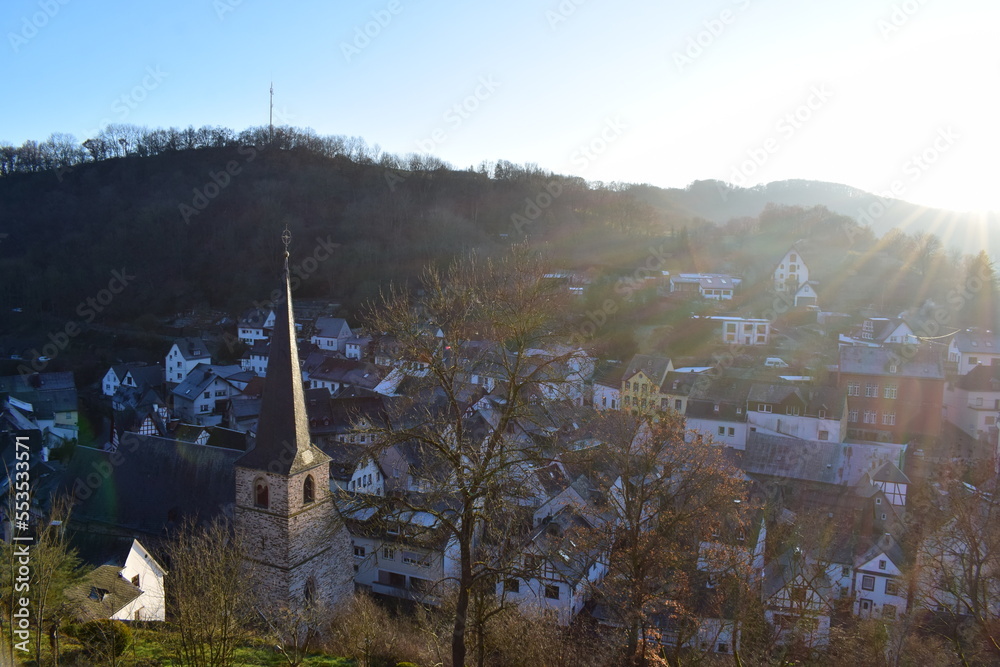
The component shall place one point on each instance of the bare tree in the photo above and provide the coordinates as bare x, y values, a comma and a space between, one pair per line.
210, 588
665, 498
473, 324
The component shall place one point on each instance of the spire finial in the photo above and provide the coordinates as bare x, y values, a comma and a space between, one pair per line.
286, 238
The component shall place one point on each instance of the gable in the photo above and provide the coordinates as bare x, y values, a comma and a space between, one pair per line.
871, 566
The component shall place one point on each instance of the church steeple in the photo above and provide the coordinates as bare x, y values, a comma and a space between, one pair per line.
283, 444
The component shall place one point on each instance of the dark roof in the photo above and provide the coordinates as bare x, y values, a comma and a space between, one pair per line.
975, 340
859, 360
981, 378
653, 366
149, 376
101, 594
227, 439
815, 460
150, 482
890, 472
283, 443
192, 348
609, 375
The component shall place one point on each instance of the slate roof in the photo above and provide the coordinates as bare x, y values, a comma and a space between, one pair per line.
192, 348
227, 439
981, 378
283, 444
332, 327
685, 383
860, 360
146, 376
814, 399
973, 341
609, 375
891, 473
815, 460
101, 594
255, 318
150, 483
654, 367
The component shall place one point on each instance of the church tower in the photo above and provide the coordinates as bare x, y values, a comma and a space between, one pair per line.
284, 510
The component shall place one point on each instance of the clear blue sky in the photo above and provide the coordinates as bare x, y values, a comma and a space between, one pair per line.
664, 92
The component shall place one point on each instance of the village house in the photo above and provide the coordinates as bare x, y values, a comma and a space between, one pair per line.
743, 331
818, 413
891, 397
255, 325
716, 410
974, 347
973, 401
331, 334
607, 387
707, 285
184, 355
641, 382
202, 394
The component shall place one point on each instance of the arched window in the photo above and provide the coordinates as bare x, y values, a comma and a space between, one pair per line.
260, 494
308, 491
310, 591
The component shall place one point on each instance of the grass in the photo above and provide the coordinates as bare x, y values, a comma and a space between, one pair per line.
160, 647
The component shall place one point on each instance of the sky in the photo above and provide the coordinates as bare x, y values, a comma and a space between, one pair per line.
893, 97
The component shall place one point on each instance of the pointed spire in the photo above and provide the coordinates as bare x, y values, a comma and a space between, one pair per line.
283, 443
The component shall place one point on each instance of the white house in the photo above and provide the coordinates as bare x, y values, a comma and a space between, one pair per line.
791, 272
198, 398
879, 591
255, 324
709, 285
146, 573
972, 403
744, 331
974, 347
556, 577
184, 355
332, 334
800, 412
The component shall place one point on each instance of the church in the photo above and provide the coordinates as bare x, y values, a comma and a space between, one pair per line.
276, 494
284, 509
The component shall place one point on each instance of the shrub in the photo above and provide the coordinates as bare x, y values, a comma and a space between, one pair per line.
104, 638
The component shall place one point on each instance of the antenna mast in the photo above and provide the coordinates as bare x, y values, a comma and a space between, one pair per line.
270, 118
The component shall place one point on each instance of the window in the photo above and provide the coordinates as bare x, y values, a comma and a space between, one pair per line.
881, 564
845, 570
359, 552
878, 501
868, 582
260, 494
891, 587
824, 435
220, 392
853, 389
889, 418
308, 491
792, 410
512, 586
973, 360
890, 391
732, 432
822, 414
871, 417
678, 404
135, 581
388, 553
722, 430
866, 605
852, 416
871, 390
723, 648
793, 257
552, 591
763, 407
208, 394
979, 402
628, 386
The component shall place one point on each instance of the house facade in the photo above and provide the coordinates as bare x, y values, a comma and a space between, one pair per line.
184, 355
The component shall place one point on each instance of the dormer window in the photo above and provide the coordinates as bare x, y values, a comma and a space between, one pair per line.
260, 494
308, 491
